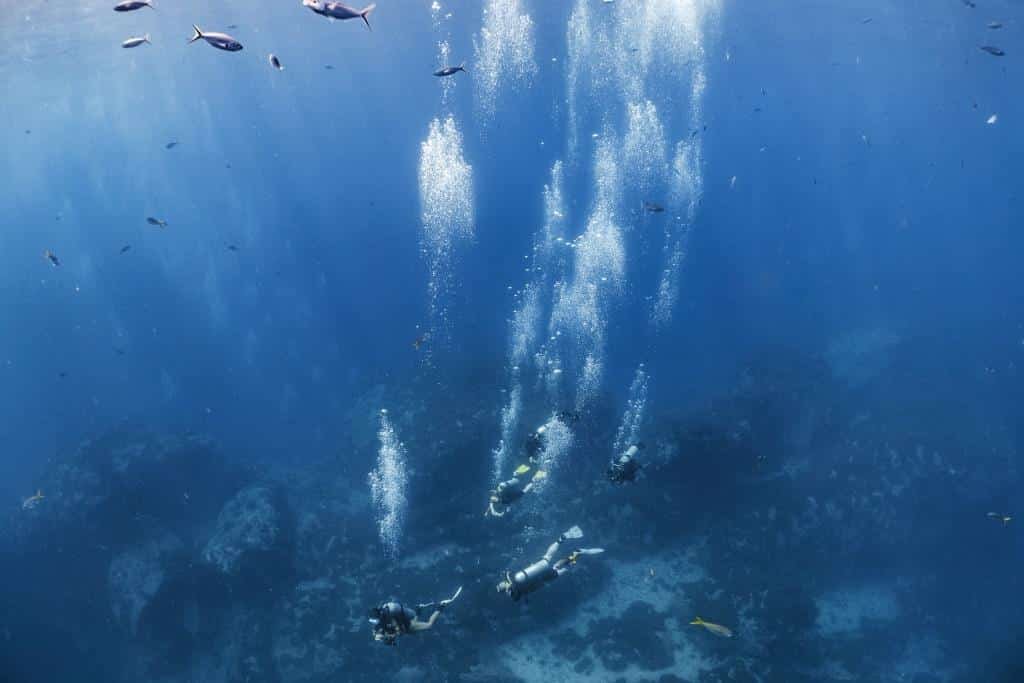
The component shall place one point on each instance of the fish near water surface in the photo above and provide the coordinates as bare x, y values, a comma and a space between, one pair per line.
337, 10
221, 41
136, 41
132, 5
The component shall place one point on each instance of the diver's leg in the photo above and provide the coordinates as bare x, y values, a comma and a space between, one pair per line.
417, 625
552, 551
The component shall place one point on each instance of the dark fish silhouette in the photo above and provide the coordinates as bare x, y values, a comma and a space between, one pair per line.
995, 24
652, 207
52, 258
231, 247
129, 5
969, 3
275, 62
992, 50
157, 222
451, 70
125, 249
171, 145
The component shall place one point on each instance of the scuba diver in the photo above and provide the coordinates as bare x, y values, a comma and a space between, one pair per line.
545, 569
392, 619
537, 441
511, 490
624, 468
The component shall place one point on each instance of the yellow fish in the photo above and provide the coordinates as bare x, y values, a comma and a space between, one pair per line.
714, 628
1005, 519
32, 501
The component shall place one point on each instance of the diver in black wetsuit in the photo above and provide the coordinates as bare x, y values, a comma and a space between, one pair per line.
537, 441
544, 570
392, 619
624, 468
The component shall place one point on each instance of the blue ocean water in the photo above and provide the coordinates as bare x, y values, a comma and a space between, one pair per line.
775, 246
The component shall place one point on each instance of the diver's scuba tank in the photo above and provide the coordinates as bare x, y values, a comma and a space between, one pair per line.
525, 581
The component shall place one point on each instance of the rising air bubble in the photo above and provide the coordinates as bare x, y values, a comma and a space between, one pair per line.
504, 52
388, 484
446, 210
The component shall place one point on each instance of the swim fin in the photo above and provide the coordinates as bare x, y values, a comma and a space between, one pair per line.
522, 469
590, 551
574, 532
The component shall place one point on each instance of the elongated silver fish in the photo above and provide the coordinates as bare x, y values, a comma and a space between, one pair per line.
337, 10
130, 5
136, 41
451, 70
221, 41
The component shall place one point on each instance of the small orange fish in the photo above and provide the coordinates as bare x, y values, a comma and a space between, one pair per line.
720, 631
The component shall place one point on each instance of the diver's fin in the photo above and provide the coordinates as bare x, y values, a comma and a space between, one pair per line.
573, 532
540, 475
590, 551
697, 621
145, 39
453, 598
522, 469
366, 13
462, 68
197, 35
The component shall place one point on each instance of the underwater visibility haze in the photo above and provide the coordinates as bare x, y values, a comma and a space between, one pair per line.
500, 341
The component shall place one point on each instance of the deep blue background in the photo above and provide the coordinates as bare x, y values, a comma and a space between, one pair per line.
914, 230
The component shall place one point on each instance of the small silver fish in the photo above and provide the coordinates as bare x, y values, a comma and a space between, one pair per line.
337, 10
136, 41
992, 50
221, 41
130, 5
275, 62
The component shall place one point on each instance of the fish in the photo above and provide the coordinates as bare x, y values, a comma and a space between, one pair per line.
136, 41
969, 3
420, 341
221, 41
714, 628
160, 223
451, 70
1005, 519
125, 249
231, 247
328, 67
33, 500
992, 119
172, 144
51, 257
995, 24
992, 50
866, 20
275, 62
653, 207
130, 5
337, 10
